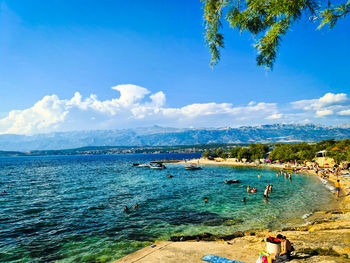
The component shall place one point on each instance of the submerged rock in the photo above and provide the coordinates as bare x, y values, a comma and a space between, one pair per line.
206, 237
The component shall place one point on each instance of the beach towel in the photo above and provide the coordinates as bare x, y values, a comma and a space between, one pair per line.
216, 259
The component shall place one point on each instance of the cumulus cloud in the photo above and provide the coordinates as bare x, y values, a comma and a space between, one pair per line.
327, 100
344, 113
275, 116
327, 105
137, 106
322, 113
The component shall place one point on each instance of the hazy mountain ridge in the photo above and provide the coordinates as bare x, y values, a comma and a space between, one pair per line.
163, 136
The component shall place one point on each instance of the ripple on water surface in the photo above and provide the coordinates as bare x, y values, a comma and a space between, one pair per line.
70, 208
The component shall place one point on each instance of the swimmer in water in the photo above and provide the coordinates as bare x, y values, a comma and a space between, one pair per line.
205, 200
266, 193
259, 175
270, 188
248, 189
136, 206
244, 199
126, 208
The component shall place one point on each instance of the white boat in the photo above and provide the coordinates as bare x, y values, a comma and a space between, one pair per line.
141, 165
144, 165
158, 166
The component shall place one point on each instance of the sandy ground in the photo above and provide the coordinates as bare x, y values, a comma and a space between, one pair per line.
326, 238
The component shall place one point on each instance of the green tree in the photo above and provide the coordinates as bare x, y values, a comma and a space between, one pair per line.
258, 150
267, 20
234, 152
206, 154
243, 154
219, 152
284, 152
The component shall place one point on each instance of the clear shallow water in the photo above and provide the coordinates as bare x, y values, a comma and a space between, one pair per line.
70, 208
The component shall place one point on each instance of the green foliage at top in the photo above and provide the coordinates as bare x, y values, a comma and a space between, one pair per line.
267, 20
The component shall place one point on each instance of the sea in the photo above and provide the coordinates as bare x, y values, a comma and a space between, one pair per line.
71, 208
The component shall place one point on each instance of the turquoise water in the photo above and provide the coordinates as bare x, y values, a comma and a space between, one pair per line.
70, 208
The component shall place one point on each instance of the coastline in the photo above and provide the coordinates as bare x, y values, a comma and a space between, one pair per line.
344, 200
324, 238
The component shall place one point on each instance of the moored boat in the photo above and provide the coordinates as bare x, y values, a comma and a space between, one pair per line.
193, 167
158, 166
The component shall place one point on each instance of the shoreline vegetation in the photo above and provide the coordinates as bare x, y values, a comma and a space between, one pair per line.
324, 238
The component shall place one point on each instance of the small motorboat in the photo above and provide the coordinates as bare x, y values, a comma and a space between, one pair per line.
140, 165
158, 166
143, 165
231, 181
192, 167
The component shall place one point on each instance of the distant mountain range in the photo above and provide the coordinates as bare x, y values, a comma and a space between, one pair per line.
162, 136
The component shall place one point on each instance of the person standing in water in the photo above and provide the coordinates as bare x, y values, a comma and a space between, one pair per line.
248, 189
270, 188
205, 200
266, 192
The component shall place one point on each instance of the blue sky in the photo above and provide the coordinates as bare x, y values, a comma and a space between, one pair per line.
52, 49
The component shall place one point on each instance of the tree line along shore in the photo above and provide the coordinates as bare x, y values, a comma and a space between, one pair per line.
337, 151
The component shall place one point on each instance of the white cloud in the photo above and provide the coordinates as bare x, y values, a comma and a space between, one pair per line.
137, 106
275, 116
344, 113
328, 100
322, 113
327, 105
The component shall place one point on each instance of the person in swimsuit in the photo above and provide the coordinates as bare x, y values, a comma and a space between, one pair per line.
337, 187
266, 192
248, 189
270, 188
